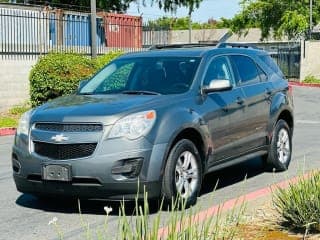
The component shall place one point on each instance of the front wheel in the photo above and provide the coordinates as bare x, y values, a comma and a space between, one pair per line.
280, 150
183, 174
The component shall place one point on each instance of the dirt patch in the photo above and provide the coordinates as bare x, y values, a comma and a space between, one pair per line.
264, 222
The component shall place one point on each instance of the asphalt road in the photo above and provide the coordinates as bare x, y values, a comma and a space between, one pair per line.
24, 217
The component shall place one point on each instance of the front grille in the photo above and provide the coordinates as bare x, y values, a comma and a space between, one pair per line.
69, 127
64, 151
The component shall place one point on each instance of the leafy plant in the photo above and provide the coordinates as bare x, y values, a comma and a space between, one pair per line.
311, 79
299, 205
58, 74
182, 224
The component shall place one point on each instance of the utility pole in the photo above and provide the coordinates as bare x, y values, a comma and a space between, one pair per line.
190, 26
93, 28
311, 23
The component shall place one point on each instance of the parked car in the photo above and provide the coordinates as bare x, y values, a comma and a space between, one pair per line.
157, 121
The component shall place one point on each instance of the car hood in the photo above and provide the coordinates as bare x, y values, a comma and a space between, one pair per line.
93, 108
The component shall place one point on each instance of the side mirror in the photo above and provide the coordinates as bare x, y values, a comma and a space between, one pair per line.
82, 83
217, 86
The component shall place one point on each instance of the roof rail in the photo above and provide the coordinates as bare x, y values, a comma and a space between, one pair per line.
183, 45
236, 45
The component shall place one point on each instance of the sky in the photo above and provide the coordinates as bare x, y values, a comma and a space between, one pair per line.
208, 9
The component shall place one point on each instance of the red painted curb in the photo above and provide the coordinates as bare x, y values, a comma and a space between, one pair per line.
7, 131
230, 204
299, 84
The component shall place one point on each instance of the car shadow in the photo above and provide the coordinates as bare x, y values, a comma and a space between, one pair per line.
232, 175
213, 181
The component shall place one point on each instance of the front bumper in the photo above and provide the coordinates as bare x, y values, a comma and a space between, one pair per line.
92, 177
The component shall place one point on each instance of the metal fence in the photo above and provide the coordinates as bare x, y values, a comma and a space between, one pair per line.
30, 33
287, 56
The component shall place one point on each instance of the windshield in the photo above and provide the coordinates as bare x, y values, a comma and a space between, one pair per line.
156, 75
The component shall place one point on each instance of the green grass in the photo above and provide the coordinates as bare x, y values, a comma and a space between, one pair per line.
12, 116
181, 223
8, 122
311, 79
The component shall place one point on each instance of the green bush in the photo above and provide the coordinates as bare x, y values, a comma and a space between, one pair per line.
299, 205
58, 74
102, 60
311, 79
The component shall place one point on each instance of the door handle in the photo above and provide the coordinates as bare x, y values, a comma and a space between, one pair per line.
239, 100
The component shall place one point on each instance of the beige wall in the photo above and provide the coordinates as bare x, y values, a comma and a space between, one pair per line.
310, 59
14, 82
182, 36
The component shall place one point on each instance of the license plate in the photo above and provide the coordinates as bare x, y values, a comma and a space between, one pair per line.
56, 173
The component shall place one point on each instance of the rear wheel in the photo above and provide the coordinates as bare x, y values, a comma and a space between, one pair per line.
280, 150
183, 174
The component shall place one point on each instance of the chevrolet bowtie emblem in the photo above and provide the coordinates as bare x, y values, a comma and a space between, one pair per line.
59, 138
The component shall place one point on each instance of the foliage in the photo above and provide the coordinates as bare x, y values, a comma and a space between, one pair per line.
11, 118
120, 5
182, 23
8, 122
277, 17
19, 109
299, 205
311, 79
102, 60
58, 74
182, 225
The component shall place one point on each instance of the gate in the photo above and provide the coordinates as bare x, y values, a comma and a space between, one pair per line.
288, 59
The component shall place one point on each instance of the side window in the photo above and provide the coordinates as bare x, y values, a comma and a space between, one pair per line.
247, 69
218, 70
271, 64
263, 76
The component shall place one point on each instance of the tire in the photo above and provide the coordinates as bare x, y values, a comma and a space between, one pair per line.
280, 150
183, 175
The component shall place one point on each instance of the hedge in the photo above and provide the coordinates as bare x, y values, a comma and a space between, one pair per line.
58, 74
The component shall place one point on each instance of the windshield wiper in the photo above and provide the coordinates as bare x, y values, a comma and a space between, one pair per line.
85, 93
140, 92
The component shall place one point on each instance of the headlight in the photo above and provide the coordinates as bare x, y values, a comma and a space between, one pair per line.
24, 123
133, 126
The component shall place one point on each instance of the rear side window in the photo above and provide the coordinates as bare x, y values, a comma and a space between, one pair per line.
271, 63
247, 69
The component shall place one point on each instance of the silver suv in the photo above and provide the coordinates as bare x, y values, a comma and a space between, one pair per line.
161, 119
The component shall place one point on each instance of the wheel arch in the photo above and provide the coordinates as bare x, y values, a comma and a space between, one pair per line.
198, 139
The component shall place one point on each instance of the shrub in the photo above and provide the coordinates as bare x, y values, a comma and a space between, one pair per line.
311, 79
102, 60
58, 74
299, 205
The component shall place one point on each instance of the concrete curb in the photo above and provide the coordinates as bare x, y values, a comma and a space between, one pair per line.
298, 84
232, 203
7, 131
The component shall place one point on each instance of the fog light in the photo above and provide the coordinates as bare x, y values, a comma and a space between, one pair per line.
128, 167
16, 166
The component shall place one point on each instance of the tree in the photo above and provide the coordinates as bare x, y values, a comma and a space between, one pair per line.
275, 17
121, 5
182, 23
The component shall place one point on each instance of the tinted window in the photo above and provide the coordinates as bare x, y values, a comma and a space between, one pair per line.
246, 68
218, 70
270, 62
262, 75
164, 75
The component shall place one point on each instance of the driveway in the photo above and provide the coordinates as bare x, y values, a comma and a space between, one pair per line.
23, 216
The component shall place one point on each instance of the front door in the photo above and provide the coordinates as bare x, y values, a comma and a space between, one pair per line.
224, 110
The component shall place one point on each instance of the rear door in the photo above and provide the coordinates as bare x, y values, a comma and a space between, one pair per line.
253, 81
